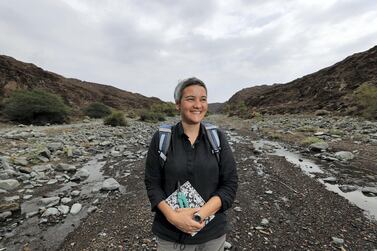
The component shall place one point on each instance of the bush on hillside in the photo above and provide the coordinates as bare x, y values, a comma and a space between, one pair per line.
150, 116
168, 109
116, 118
366, 96
35, 107
97, 110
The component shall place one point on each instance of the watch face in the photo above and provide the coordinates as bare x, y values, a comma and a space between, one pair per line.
197, 218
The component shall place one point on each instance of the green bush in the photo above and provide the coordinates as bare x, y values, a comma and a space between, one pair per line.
366, 96
97, 110
36, 106
311, 140
168, 109
116, 118
150, 116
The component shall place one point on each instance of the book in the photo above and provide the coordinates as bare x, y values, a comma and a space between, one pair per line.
193, 198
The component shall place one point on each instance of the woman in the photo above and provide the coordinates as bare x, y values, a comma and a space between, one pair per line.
189, 158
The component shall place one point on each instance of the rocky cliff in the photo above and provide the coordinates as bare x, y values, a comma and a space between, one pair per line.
330, 88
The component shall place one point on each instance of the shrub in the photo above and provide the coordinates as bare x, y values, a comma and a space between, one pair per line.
116, 118
149, 116
97, 110
168, 109
311, 140
36, 106
366, 96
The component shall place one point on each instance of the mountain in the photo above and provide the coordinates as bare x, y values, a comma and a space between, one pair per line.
15, 75
330, 88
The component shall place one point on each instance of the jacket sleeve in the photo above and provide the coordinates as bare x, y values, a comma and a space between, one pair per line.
154, 174
228, 179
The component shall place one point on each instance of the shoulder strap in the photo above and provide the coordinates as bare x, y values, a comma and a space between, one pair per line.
214, 140
164, 141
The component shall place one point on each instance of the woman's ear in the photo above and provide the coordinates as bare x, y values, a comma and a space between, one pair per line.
177, 106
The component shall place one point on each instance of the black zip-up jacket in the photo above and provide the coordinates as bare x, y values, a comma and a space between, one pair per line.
195, 163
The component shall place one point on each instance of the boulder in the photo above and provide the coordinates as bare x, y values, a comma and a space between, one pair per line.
76, 208
319, 146
344, 156
9, 184
110, 184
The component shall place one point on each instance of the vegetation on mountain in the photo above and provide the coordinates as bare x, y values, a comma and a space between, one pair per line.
35, 107
116, 118
366, 96
97, 110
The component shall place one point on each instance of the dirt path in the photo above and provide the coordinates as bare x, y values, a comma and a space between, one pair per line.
277, 208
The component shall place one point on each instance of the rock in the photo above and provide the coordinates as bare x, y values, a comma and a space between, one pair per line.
4, 164
41, 168
331, 180
63, 209
321, 112
319, 146
9, 206
52, 181
76, 208
52, 211
264, 222
370, 191
237, 209
92, 209
12, 198
55, 146
50, 201
25, 169
66, 200
227, 245
21, 161
5, 215
344, 156
65, 167
338, 241
45, 153
81, 174
31, 214
268, 192
75, 193
9, 184
110, 184
27, 196
347, 188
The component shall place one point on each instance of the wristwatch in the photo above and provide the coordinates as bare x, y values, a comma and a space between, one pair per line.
197, 217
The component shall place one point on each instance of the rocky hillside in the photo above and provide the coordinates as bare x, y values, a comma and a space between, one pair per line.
15, 75
330, 88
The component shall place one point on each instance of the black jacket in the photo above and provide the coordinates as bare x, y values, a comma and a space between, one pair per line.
198, 165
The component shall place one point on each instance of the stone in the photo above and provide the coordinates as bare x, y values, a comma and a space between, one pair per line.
347, 188
21, 161
52, 211
237, 209
42, 168
92, 209
63, 209
81, 174
5, 215
12, 198
4, 164
52, 181
50, 201
75, 193
66, 200
76, 208
344, 156
264, 222
9, 206
371, 191
27, 196
45, 153
319, 146
338, 241
110, 184
227, 245
24, 169
9, 184
65, 167
31, 214
55, 146
331, 180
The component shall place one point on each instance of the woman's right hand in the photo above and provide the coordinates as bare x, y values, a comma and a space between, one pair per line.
183, 219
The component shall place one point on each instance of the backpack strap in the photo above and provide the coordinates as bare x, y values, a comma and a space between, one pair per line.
164, 141
214, 140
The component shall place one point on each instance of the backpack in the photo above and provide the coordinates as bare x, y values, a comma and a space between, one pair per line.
165, 136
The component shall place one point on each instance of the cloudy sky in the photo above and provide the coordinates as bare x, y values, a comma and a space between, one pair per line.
148, 46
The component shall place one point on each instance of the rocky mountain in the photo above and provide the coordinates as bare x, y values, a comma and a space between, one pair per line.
16, 75
330, 88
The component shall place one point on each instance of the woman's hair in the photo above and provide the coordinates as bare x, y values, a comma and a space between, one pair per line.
186, 83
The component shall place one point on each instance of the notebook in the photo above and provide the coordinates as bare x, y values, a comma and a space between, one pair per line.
193, 198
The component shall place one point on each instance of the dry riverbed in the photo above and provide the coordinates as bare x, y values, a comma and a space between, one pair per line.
291, 196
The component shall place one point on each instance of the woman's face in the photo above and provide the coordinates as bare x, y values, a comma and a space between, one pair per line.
193, 105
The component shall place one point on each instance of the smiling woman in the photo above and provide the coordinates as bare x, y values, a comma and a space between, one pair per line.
190, 158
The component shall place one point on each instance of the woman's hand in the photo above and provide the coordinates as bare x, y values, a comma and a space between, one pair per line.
183, 219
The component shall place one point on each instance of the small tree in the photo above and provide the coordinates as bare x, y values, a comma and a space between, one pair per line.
116, 118
366, 96
35, 106
97, 110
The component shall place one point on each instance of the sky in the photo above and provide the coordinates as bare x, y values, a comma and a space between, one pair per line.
148, 46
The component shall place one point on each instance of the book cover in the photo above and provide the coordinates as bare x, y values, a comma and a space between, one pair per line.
193, 198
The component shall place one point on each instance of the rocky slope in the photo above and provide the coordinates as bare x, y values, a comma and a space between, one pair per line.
16, 75
330, 88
